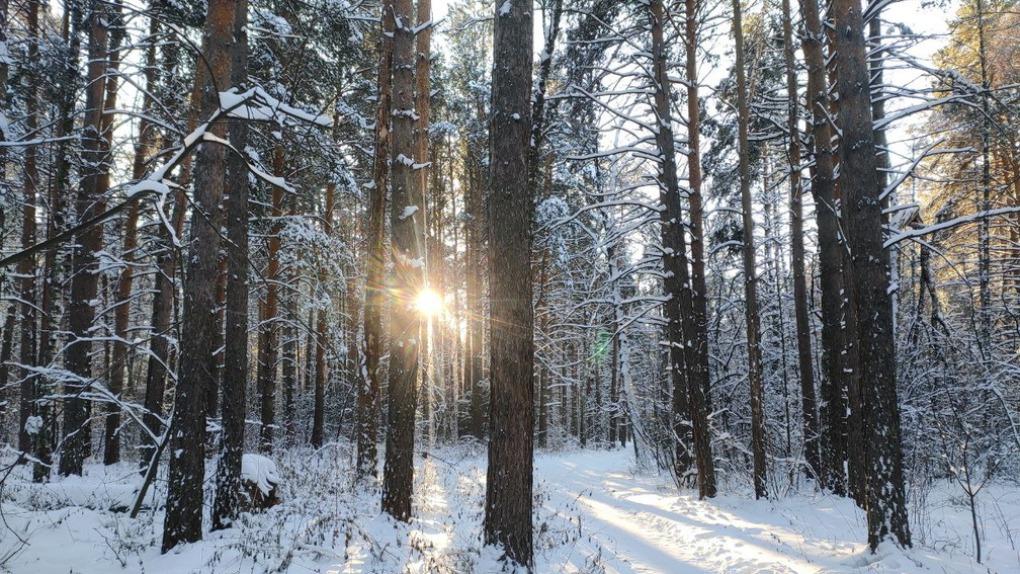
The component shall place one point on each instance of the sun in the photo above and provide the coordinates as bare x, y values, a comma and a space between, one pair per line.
429, 303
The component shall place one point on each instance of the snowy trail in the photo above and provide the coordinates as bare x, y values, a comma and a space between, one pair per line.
642, 529
594, 515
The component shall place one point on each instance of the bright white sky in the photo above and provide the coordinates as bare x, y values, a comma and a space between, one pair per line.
930, 22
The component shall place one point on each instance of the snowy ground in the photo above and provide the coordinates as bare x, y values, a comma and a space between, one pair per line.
594, 514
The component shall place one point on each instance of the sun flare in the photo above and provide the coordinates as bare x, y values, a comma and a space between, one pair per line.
429, 303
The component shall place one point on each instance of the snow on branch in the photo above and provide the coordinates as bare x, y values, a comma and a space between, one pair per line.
257, 104
949, 224
252, 104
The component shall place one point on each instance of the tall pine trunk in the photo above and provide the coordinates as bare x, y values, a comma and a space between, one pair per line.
423, 110
321, 333
699, 289
475, 200
859, 182
753, 321
375, 264
26, 268
832, 446
809, 411
407, 255
183, 521
228, 500
123, 292
508, 487
55, 222
268, 329
686, 369
84, 261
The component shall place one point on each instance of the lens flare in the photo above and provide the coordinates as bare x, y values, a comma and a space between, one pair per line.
429, 303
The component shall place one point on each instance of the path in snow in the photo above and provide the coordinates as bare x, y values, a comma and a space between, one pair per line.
643, 526
594, 514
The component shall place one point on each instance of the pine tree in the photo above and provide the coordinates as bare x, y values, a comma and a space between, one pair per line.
508, 486
754, 374
183, 521
368, 393
883, 454
407, 256
84, 260
235, 350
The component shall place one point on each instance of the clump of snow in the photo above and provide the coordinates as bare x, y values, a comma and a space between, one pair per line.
261, 471
408, 212
33, 425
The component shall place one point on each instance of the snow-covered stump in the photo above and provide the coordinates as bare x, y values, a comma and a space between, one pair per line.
260, 478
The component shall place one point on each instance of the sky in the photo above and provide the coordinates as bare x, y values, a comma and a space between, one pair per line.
932, 22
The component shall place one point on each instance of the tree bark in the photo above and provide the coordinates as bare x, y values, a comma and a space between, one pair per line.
26, 269
123, 294
229, 495
694, 180
884, 489
55, 221
183, 521
375, 265
686, 369
508, 491
475, 287
809, 407
407, 253
159, 362
423, 109
268, 331
754, 374
322, 334
538, 108
6, 349
84, 261
833, 451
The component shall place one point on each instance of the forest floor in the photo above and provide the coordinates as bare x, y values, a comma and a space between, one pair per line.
595, 512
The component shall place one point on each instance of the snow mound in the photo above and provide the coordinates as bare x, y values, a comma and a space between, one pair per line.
261, 471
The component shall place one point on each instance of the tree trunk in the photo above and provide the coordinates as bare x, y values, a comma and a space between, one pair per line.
355, 375
884, 489
229, 495
686, 369
538, 107
84, 279
407, 252
475, 200
423, 109
55, 221
508, 492
212, 392
160, 359
6, 350
985, 233
321, 334
701, 375
750, 268
375, 265
122, 305
26, 268
187, 443
800, 293
159, 362
833, 451
268, 332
